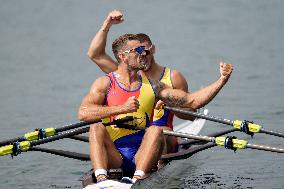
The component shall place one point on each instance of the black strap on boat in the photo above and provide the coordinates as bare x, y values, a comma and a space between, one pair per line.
16, 149
41, 133
244, 127
229, 143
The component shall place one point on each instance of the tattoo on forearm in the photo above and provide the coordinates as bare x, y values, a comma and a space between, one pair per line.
176, 101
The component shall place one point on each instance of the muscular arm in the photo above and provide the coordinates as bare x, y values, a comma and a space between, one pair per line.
205, 95
97, 47
92, 108
179, 98
179, 82
173, 97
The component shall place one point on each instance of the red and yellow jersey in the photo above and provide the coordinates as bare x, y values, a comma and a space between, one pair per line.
117, 95
164, 117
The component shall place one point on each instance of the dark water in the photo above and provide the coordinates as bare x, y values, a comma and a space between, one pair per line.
44, 73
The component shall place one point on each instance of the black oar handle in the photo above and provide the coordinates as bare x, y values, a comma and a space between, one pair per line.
199, 115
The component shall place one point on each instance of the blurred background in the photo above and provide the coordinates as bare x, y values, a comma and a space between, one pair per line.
45, 73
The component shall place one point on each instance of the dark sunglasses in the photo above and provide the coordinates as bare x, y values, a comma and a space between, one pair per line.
139, 50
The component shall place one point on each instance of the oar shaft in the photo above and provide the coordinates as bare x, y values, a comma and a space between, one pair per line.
34, 135
59, 136
221, 141
199, 115
244, 126
185, 135
9, 141
274, 133
265, 148
74, 126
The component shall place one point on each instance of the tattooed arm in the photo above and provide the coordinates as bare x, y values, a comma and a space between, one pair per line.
173, 97
196, 100
92, 107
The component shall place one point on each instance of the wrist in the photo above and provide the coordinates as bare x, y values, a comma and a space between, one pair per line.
105, 27
223, 80
122, 109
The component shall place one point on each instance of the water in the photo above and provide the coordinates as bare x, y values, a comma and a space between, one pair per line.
44, 74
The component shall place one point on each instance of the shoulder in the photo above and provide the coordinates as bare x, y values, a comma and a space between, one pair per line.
101, 84
178, 80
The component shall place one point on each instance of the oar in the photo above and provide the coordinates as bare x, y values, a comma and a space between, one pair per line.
35, 135
18, 147
183, 154
244, 126
47, 132
24, 146
229, 142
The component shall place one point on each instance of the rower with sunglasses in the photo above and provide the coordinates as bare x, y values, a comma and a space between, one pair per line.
135, 146
154, 71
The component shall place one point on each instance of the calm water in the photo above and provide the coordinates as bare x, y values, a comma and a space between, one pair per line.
44, 73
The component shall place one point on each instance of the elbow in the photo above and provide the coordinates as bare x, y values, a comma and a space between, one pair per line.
196, 105
193, 104
92, 55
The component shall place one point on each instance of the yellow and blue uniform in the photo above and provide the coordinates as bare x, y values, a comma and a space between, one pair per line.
128, 141
163, 117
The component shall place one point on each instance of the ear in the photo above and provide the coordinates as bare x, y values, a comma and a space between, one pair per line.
121, 57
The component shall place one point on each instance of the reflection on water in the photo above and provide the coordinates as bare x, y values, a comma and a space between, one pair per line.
210, 180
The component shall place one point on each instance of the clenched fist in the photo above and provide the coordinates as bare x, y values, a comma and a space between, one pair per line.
131, 105
225, 71
114, 17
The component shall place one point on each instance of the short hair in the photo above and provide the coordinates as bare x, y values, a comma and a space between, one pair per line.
120, 42
144, 38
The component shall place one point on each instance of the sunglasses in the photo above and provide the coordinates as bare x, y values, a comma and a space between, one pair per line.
141, 50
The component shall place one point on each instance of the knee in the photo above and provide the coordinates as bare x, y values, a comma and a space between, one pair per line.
97, 129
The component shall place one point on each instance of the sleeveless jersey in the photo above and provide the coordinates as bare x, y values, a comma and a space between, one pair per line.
117, 95
164, 117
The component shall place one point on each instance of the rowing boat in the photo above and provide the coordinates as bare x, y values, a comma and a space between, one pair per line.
31, 140
114, 182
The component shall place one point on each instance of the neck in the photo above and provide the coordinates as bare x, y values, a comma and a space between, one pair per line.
155, 71
126, 74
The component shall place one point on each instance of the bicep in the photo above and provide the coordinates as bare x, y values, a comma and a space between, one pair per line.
96, 95
179, 81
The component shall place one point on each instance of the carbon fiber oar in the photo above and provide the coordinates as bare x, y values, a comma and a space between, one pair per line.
35, 135
244, 126
229, 142
47, 132
18, 147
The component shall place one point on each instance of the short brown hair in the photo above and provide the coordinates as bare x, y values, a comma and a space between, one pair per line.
144, 38
120, 43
